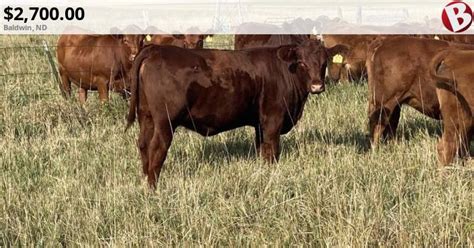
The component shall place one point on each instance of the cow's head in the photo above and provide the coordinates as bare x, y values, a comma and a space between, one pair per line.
309, 61
132, 44
338, 68
194, 41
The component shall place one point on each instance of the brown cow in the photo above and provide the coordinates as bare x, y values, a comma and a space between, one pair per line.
191, 41
398, 70
212, 91
96, 62
453, 72
244, 41
352, 67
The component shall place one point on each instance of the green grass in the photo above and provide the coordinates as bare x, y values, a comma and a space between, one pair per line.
70, 175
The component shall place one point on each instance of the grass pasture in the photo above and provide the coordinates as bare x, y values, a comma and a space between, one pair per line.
71, 176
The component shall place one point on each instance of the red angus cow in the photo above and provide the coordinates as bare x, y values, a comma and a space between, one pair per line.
96, 62
212, 91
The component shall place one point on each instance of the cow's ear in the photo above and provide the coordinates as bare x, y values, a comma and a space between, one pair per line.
287, 53
337, 49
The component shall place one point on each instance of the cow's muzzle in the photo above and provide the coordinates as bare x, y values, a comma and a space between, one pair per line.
317, 88
132, 57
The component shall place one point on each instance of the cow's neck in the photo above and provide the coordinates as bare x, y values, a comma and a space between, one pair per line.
300, 90
298, 96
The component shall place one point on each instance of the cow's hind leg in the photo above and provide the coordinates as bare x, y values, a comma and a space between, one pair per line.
464, 134
457, 129
82, 95
447, 146
394, 119
258, 138
381, 121
103, 88
455, 140
145, 136
158, 149
270, 146
378, 120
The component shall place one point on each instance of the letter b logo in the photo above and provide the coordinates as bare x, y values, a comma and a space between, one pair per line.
457, 16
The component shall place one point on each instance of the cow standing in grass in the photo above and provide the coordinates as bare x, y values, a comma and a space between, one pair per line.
399, 74
212, 91
96, 62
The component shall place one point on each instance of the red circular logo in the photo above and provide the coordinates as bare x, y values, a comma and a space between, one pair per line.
457, 16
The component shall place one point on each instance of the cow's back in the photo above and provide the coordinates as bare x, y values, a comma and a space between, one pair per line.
402, 58
85, 47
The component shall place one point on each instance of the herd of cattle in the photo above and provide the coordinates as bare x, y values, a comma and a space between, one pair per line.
266, 80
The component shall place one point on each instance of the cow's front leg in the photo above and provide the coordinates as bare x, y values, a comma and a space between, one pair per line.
146, 134
377, 124
82, 95
447, 147
103, 89
270, 145
391, 131
258, 138
380, 118
345, 75
158, 149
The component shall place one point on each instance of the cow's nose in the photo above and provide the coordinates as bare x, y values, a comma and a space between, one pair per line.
317, 88
132, 57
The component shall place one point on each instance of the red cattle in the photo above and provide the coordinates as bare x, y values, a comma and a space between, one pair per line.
212, 91
96, 62
452, 70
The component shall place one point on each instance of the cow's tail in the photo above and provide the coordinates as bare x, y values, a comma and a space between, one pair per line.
372, 49
135, 81
438, 63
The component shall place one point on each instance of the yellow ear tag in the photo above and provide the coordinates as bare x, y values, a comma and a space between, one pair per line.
148, 38
209, 38
337, 59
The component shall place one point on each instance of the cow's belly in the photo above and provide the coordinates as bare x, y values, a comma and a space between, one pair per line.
423, 98
429, 107
89, 71
215, 110
207, 123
